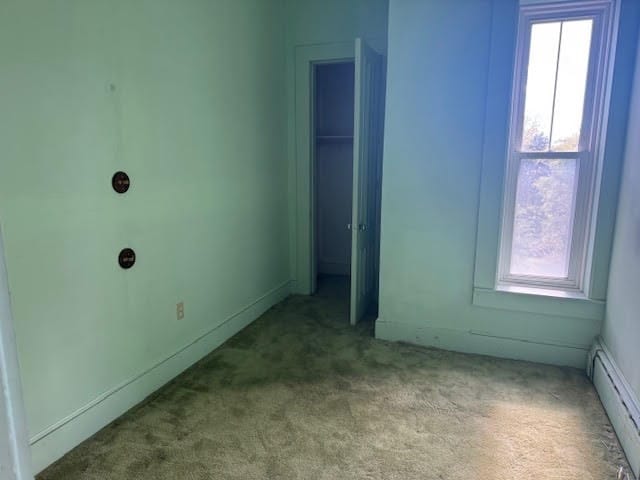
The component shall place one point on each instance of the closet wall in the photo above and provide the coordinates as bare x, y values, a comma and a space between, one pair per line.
334, 164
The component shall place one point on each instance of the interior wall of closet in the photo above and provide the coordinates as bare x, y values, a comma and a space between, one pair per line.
333, 120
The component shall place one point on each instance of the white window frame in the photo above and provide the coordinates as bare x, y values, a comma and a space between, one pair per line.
589, 154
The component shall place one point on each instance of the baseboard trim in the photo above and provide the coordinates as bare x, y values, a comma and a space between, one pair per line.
619, 401
52, 443
484, 343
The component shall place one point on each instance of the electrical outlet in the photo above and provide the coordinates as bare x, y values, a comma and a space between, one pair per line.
180, 310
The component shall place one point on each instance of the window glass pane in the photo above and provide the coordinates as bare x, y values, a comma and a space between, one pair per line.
541, 80
544, 211
573, 66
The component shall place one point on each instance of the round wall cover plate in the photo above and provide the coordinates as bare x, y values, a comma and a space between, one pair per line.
120, 182
127, 258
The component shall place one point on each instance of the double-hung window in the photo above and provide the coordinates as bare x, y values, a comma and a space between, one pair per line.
555, 143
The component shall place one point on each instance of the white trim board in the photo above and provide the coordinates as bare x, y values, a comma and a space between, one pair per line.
52, 443
618, 399
15, 461
484, 343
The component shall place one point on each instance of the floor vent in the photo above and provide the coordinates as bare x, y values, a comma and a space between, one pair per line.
619, 401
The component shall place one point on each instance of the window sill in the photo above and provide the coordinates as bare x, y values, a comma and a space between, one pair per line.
540, 301
542, 292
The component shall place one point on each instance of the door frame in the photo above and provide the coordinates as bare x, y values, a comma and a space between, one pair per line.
306, 57
14, 442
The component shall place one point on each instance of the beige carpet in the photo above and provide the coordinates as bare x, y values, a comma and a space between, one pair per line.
301, 395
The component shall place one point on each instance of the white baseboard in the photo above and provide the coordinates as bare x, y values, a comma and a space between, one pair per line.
52, 443
619, 401
472, 341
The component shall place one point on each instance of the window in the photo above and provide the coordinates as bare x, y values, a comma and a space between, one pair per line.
554, 144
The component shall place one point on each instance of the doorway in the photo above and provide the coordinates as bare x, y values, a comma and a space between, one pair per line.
339, 131
333, 176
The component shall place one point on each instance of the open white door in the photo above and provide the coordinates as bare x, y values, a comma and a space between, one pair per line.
367, 158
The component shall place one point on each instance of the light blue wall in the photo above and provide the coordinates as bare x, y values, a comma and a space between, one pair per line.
189, 97
438, 71
331, 21
621, 332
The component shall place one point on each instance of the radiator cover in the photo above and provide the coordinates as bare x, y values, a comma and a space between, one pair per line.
618, 399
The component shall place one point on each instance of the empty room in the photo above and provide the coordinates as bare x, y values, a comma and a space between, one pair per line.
320, 239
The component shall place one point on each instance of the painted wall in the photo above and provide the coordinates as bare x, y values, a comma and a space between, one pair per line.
334, 176
334, 166
187, 97
621, 331
330, 21
334, 86
311, 22
438, 69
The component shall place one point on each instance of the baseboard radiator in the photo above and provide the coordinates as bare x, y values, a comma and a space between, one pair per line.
619, 401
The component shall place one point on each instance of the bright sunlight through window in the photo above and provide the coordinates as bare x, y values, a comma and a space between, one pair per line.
556, 126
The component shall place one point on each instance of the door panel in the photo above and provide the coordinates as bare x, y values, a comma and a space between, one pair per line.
367, 156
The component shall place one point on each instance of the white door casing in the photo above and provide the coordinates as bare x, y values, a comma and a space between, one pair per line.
15, 455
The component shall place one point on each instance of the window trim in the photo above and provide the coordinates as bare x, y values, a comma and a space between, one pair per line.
589, 155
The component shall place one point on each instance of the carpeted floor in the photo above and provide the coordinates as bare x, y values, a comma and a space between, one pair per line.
301, 395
